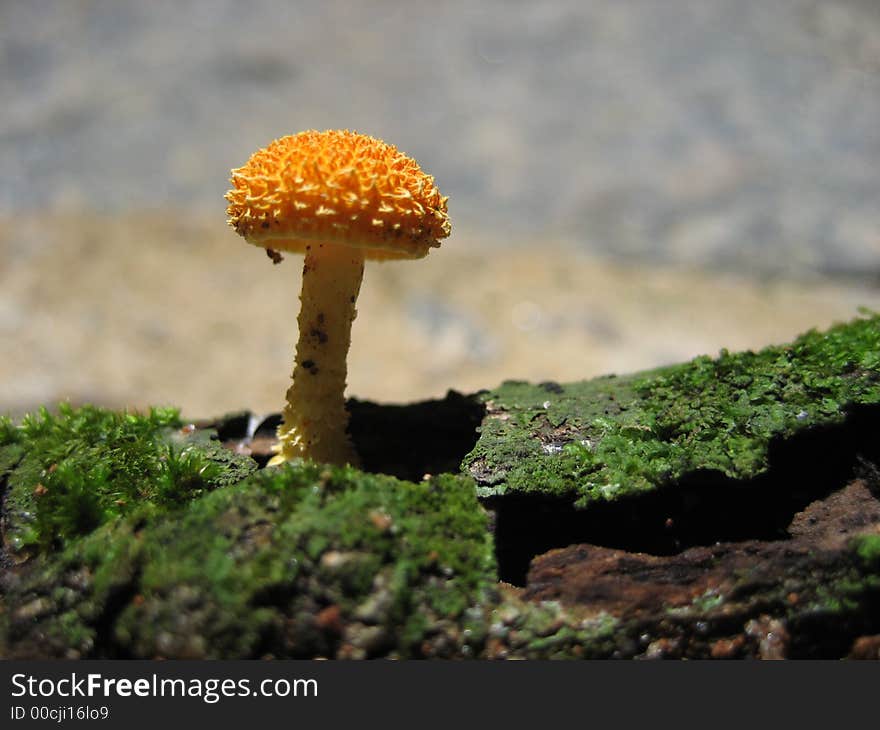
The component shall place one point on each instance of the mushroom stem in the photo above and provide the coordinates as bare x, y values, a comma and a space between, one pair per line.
315, 419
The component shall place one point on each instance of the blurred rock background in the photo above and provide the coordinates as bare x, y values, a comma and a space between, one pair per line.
630, 184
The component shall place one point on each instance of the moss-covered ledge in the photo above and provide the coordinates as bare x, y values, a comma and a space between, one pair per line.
295, 562
616, 437
722, 507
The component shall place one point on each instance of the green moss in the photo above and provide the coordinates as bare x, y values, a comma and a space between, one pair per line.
550, 630
612, 437
10, 456
69, 473
239, 569
856, 583
867, 547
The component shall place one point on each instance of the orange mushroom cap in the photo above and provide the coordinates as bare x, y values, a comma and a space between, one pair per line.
337, 186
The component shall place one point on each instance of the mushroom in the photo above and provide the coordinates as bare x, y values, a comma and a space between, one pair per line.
339, 198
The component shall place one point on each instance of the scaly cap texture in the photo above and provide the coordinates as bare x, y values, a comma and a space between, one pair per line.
337, 186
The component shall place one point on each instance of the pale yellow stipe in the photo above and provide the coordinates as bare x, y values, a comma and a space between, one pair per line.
315, 420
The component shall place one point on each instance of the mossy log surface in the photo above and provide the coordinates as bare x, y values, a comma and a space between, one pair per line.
720, 508
616, 437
